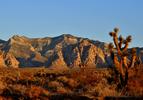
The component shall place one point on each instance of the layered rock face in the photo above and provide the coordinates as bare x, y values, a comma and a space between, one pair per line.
65, 51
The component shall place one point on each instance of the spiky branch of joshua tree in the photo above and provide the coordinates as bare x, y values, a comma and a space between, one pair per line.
120, 54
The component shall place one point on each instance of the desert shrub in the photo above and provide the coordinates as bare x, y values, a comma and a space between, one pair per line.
106, 90
36, 92
62, 90
72, 83
87, 76
2, 86
23, 92
63, 79
14, 92
135, 84
53, 85
68, 82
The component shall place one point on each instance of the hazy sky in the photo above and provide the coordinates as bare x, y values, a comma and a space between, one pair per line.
86, 18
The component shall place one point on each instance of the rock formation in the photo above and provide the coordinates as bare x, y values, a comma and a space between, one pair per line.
8, 60
65, 51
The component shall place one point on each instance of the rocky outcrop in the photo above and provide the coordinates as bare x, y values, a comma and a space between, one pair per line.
8, 60
65, 51
2, 62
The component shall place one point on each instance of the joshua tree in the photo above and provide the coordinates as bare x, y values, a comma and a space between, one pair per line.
123, 59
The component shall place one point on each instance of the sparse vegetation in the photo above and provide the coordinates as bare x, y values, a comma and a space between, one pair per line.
30, 85
90, 83
72, 84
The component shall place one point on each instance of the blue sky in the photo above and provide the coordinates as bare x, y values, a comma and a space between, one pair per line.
92, 19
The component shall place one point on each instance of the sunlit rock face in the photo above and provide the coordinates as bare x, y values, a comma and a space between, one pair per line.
65, 51
8, 60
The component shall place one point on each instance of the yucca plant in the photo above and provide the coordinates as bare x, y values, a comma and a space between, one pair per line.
120, 55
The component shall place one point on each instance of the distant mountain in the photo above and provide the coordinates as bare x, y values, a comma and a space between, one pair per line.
1, 43
64, 51
140, 53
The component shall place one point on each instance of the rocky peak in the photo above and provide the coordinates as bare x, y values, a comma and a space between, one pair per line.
18, 39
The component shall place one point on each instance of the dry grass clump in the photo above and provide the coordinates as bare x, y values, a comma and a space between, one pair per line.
2, 86
54, 85
72, 83
89, 76
68, 82
63, 79
62, 90
105, 90
135, 84
36, 92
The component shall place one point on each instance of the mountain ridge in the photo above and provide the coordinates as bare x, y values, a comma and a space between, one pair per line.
64, 51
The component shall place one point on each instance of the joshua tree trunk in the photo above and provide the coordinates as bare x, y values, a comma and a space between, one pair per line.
121, 55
